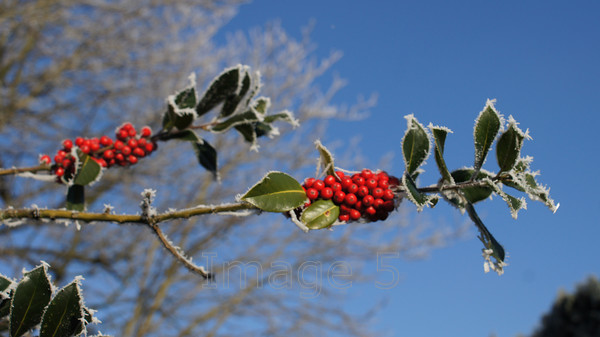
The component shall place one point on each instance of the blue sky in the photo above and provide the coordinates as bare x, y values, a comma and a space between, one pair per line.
441, 60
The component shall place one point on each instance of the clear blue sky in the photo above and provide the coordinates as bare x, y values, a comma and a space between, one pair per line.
441, 60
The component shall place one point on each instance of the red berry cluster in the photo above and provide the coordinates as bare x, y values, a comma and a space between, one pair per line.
366, 195
127, 149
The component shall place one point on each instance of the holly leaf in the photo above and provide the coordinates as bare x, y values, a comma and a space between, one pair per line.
76, 198
419, 199
325, 159
415, 145
221, 88
64, 314
509, 146
276, 192
88, 170
320, 214
31, 297
207, 156
439, 137
486, 129
231, 104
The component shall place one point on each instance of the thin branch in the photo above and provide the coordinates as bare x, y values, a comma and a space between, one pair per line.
17, 170
178, 253
55, 214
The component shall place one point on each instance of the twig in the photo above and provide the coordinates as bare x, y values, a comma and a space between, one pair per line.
17, 170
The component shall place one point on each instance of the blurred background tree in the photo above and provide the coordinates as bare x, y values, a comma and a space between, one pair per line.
573, 315
81, 68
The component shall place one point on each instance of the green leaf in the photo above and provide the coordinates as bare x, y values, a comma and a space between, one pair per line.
167, 123
486, 237
4, 283
185, 135
509, 146
472, 194
262, 105
207, 156
76, 198
439, 138
415, 145
222, 87
486, 129
276, 192
247, 117
285, 116
186, 99
419, 199
538, 192
64, 314
514, 204
31, 297
248, 131
320, 214
88, 170
325, 159
232, 102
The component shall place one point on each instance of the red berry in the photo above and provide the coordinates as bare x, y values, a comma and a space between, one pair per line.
105, 141
362, 191
350, 199
371, 210
308, 182
78, 141
138, 152
132, 142
150, 147
142, 142
344, 217
66, 163
326, 193
354, 214
59, 159
388, 194
59, 172
358, 205
352, 189
340, 174
119, 157
388, 206
131, 132
127, 126
378, 202
383, 183
109, 154
122, 134
371, 183
377, 192
85, 148
312, 193
126, 150
366, 173
318, 184
358, 180
146, 131
86, 142
95, 146
119, 145
338, 197
368, 200
132, 159
100, 161
61, 153
346, 182
394, 181
67, 144
45, 159
329, 180
336, 186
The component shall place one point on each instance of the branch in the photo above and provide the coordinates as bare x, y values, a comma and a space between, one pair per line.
55, 214
17, 170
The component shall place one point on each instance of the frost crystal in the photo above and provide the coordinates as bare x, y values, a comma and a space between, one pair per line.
488, 264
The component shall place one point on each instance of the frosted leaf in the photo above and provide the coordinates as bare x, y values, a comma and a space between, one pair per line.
488, 124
